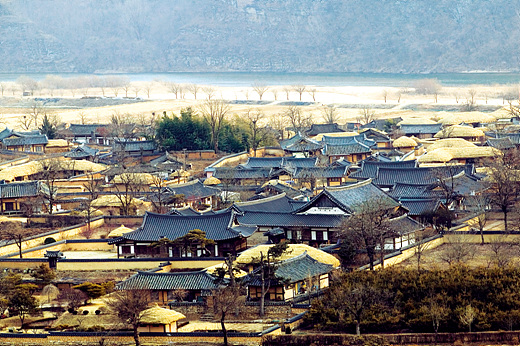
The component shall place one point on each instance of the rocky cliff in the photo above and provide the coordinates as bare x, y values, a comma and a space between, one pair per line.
259, 35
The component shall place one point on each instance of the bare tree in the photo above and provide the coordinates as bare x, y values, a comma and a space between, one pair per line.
385, 94
246, 93
210, 92
297, 118
173, 88
312, 92
82, 117
136, 89
128, 306
159, 199
300, 89
254, 119
329, 114
14, 231
366, 115
275, 92
287, 91
148, 88
92, 185
368, 228
501, 252
470, 104
27, 84
504, 176
481, 208
128, 186
421, 245
51, 292
3, 87
25, 122
428, 87
214, 112
260, 89
35, 112
50, 170
456, 251
194, 89
226, 300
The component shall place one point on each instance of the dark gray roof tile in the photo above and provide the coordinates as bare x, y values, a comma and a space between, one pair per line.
199, 280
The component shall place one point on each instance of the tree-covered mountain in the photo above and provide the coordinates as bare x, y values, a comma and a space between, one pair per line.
259, 35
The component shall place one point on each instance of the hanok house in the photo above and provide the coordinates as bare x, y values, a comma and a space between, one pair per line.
294, 277
316, 129
317, 222
229, 237
91, 133
15, 197
83, 152
196, 194
162, 286
159, 320
28, 143
135, 148
420, 131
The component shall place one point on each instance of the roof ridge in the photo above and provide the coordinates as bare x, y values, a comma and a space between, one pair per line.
349, 187
193, 182
258, 201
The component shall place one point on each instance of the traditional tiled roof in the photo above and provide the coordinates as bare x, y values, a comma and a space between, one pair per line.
289, 220
346, 149
5, 133
223, 173
26, 140
290, 141
199, 280
412, 129
351, 198
405, 225
277, 203
294, 270
420, 206
193, 190
135, 145
421, 175
16, 190
348, 140
85, 130
188, 211
322, 128
304, 144
369, 168
157, 226
405, 190
296, 162
500, 143
281, 187
320, 172
81, 152
263, 162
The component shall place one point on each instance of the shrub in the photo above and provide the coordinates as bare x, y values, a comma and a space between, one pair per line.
288, 330
85, 312
97, 312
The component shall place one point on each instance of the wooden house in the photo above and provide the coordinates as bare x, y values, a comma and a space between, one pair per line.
159, 320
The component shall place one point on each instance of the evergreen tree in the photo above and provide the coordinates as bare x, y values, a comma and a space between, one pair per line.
48, 128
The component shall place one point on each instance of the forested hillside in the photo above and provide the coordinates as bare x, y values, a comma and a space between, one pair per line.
259, 35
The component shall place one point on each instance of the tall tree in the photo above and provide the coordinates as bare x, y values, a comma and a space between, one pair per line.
128, 306
48, 127
260, 89
214, 112
92, 186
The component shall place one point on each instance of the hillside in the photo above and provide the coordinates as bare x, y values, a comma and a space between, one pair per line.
259, 35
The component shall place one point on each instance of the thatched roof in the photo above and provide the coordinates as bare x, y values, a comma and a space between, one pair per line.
34, 167
502, 113
57, 143
457, 118
451, 143
459, 131
158, 315
416, 121
448, 154
212, 181
112, 201
320, 136
118, 232
138, 178
249, 255
404, 142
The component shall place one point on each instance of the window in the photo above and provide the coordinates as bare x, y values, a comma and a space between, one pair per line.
298, 235
216, 250
313, 235
289, 234
325, 235
38, 148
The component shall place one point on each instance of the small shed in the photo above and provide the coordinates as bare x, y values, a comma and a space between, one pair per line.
159, 320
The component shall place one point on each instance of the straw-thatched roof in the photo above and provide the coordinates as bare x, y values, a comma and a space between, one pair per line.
320, 136
212, 181
448, 154
451, 143
457, 118
138, 178
34, 167
502, 113
57, 143
294, 250
459, 131
404, 142
158, 315
112, 201
118, 232
416, 121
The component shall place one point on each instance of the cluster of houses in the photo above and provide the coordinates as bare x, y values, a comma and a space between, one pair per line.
301, 193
